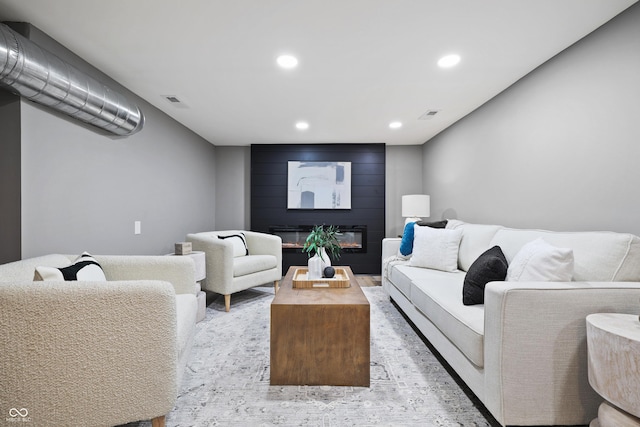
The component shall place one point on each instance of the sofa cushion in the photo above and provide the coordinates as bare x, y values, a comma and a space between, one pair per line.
239, 242
397, 276
599, 256
84, 268
491, 266
406, 244
540, 261
252, 264
436, 248
476, 238
437, 295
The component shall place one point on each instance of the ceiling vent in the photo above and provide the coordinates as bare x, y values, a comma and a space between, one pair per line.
428, 115
36, 74
175, 101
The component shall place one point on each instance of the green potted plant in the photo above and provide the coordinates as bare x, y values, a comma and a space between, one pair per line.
323, 238
321, 245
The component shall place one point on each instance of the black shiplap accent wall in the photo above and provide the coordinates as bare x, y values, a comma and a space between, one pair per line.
269, 196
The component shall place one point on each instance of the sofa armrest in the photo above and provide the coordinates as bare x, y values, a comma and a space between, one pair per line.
88, 353
179, 271
535, 348
390, 246
265, 244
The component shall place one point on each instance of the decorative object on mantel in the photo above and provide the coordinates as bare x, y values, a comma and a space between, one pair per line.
324, 244
183, 248
415, 207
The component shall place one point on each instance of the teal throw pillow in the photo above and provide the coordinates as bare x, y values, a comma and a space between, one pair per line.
406, 244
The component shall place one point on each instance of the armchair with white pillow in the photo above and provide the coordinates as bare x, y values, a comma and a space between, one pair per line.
108, 346
237, 260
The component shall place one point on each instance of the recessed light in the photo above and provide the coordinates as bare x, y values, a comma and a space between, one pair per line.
302, 125
395, 125
449, 61
287, 61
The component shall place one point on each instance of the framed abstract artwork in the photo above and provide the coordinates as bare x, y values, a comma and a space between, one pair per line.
319, 185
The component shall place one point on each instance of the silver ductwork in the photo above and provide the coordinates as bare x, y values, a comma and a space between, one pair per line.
38, 75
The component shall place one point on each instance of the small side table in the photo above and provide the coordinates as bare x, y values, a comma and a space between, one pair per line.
613, 346
200, 274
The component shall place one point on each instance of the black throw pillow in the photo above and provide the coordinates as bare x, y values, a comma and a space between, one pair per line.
491, 266
434, 224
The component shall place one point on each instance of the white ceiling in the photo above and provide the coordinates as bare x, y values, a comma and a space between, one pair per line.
363, 63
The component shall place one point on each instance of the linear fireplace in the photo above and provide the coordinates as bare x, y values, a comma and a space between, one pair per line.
352, 238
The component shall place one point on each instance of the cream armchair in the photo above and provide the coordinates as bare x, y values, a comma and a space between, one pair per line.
232, 267
95, 353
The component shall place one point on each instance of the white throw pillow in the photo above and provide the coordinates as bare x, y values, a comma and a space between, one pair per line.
84, 268
436, 248
539, 261
239, 244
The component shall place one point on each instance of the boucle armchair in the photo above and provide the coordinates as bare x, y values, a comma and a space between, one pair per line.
95, 353
237, 260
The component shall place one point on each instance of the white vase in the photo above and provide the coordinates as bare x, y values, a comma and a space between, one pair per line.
315, 268
326, 260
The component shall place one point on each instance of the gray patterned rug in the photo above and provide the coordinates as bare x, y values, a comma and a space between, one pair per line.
227, 379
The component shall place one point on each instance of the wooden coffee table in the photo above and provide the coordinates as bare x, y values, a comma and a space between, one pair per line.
320, 336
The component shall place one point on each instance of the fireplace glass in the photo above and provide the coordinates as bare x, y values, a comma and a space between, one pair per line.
352, 238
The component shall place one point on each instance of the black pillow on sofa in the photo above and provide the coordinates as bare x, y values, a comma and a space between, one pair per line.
491, 266
433, 224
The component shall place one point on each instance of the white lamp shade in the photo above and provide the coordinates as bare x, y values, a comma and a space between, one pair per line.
416, 205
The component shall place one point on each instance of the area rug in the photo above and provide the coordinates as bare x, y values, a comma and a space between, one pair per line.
227, 378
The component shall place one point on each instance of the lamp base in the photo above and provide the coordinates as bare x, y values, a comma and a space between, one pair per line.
412, 219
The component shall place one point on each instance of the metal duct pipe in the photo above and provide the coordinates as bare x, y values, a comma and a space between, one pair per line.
38, 75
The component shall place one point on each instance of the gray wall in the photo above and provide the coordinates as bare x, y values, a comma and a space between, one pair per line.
558, 150
404, 176
233, 175
83, 190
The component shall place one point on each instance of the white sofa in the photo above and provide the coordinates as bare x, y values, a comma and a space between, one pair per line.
238, 259
87, 353
523, 352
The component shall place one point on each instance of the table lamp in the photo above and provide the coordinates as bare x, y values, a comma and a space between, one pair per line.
415, 207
